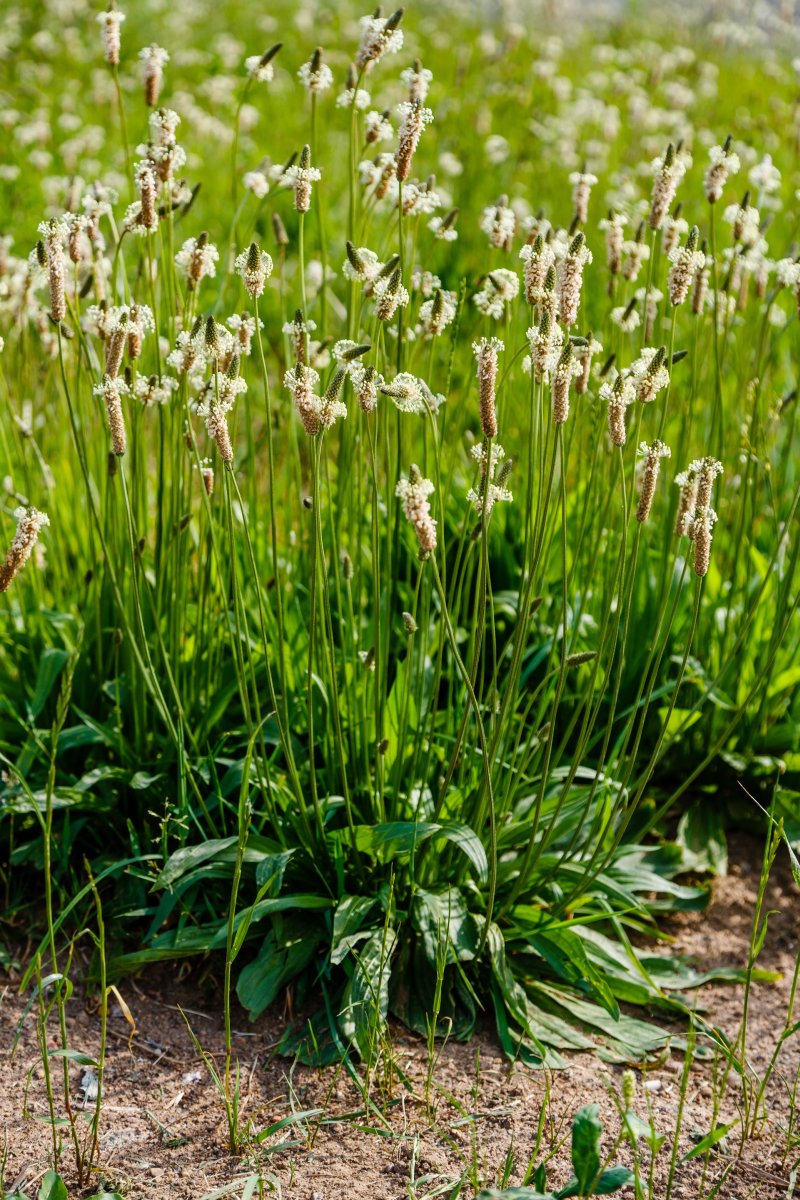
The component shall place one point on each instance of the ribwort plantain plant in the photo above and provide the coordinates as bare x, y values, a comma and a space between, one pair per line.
388, 685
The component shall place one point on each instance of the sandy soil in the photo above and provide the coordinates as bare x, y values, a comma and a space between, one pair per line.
163, 1132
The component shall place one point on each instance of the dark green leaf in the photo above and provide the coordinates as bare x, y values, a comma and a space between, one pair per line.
277, 963
347, 921
702, 832
611, 1180
446, 926
366, 998
404, 837
51, 665
188, 857
587, 1130
565, 953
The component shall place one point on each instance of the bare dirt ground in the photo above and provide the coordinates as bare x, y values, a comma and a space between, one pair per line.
163, 1131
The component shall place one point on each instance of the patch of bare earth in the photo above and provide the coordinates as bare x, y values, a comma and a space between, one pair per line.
163, 1132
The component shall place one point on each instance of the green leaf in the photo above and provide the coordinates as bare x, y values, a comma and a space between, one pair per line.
272, 867
188, 857
53, 1187
514, 1193
51, 665
624, 1039
762, 933
393, 838
611, 1180
294, 1118
140, 781
443, 916
709, 1141
400, 706
644, 1131
541, 1030
100, 733
366, 999
784, 681
565, 953
587, 1129
278, 961
259, 850
347, 920
77, 1056
702, 832
539, 1177
80, 735
266, 908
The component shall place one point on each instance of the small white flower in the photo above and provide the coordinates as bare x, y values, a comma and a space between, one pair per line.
493, 492
153, 59
363, 267
257, 183
436, 314
546, 341
378, 37
628, 318
109, 23
501, 288
317, 79
260, 68
582, 184
723, 163
367, 382
451, 165
650, 374
745, 222
377, 127
152, 392
154, 54
418, 199
765, 176
499, 222
197, 259
411, 395
358, 99
299, 177
390, 294
787, 272
243, 328
425, 282
316, 412
414, 117
444, 232
254, 266
417, 79
413, 491
686, 261
497, 149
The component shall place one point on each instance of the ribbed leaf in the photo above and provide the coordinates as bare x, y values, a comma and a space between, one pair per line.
366, 998
347, 920
395, 838
278, 961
